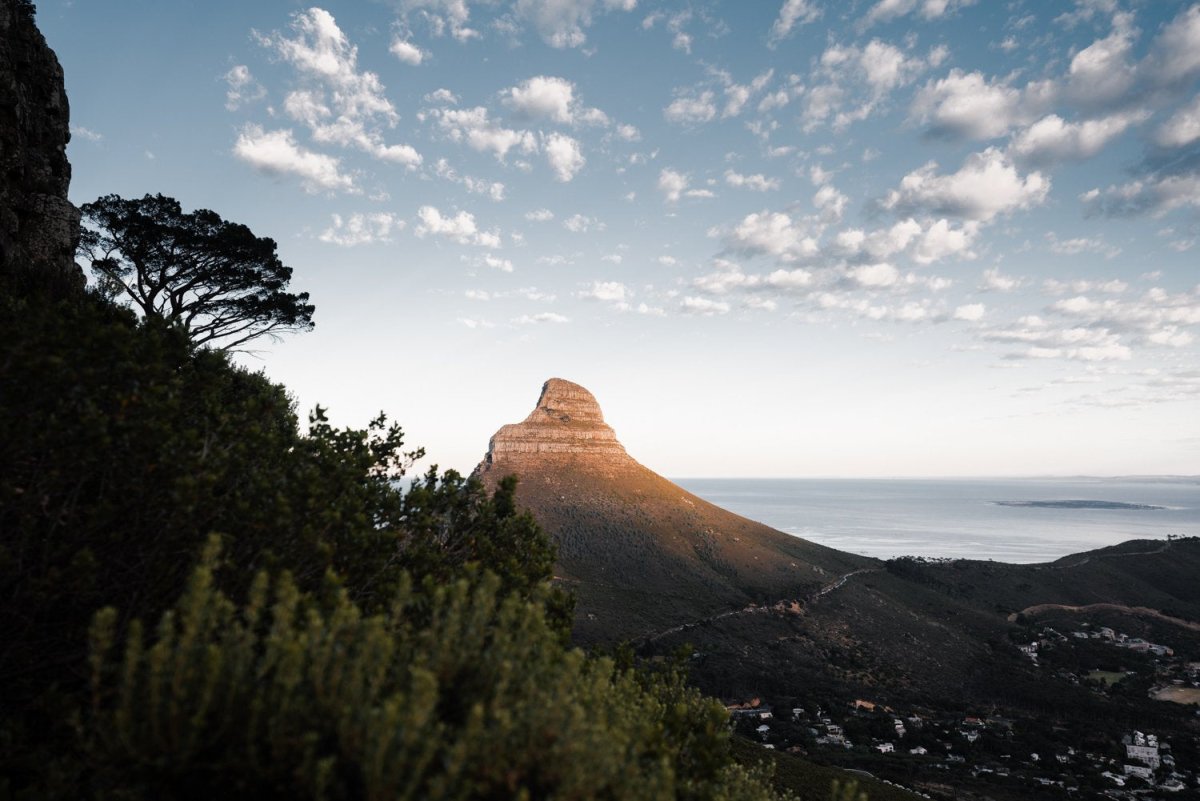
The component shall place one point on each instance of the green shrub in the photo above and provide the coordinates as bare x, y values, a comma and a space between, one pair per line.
463, 694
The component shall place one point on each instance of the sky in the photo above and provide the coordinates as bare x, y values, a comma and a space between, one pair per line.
775, 238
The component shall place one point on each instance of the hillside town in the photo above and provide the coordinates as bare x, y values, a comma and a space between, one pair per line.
936, 753
929, 753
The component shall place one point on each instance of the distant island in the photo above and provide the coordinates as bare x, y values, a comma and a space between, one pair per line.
1080, 504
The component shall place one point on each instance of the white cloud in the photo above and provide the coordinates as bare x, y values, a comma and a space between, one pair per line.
995, 281
1082, 244
874, 275
703, 306
542, 317
561, 23
1113, 286
497, 263
885, 10
672, 184
407, 52
544, 97
986, 185
443, 17
830, 202
539, 215
276, 153
564, 156
791, 14
607, 291
1175, 55
1155, 195
690, 110
941, 241
968, 105
242, 88
477, 186
86, 133
971, 312
580, 224
460, 228
1051, 139
442, 97
738, 95
757, 182
341, 104
473, 323
361, 229
474, 127
1182, 128
629, 133
774, 234
851, 81
798, 278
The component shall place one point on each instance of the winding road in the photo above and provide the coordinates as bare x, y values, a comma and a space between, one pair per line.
783, 605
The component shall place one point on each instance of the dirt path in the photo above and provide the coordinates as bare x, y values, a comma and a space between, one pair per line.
783, 605
1143, 611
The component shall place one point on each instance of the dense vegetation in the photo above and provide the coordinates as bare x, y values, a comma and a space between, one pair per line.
202, 600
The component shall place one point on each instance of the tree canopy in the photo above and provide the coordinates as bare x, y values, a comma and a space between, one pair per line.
214, 278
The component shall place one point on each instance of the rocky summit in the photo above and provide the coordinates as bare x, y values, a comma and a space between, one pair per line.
566, 423
641, 553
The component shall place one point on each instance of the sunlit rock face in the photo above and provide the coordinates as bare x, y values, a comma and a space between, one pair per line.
567, 423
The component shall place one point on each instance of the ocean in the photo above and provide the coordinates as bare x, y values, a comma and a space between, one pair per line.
961, 518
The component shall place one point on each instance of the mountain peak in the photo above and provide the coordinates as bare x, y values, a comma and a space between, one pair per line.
566, 423
567, 402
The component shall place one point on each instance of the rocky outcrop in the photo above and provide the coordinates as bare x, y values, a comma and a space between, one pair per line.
566, 424
39, 227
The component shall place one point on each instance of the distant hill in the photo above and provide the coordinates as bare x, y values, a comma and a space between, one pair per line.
642, 554
770, 613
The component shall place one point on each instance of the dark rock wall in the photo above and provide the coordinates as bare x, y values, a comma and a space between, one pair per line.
39, 227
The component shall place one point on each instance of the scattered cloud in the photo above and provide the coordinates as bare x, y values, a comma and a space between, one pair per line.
460, 228
703, 306
581, 224
564, 156
276, 153
692, 109
407, 52
541, 317
86, 133
986, 185
361, 229
607, 291
341, 104
791, 14
242, 89
757, 182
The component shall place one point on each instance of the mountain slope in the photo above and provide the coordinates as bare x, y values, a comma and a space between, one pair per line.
642, 554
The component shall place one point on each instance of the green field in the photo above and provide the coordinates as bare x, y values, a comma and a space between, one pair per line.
1109, 677
1178, 695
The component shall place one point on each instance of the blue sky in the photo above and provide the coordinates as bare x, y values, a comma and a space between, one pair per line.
786, 238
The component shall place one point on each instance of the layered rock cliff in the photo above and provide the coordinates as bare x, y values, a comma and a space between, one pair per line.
641, 553
39, 228
566, 424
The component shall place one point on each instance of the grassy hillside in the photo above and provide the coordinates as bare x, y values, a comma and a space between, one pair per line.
643, 555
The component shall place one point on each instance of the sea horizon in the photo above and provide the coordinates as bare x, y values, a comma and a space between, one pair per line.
963, 518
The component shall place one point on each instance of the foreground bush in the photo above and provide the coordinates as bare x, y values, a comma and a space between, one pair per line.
466, 693
355, 640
